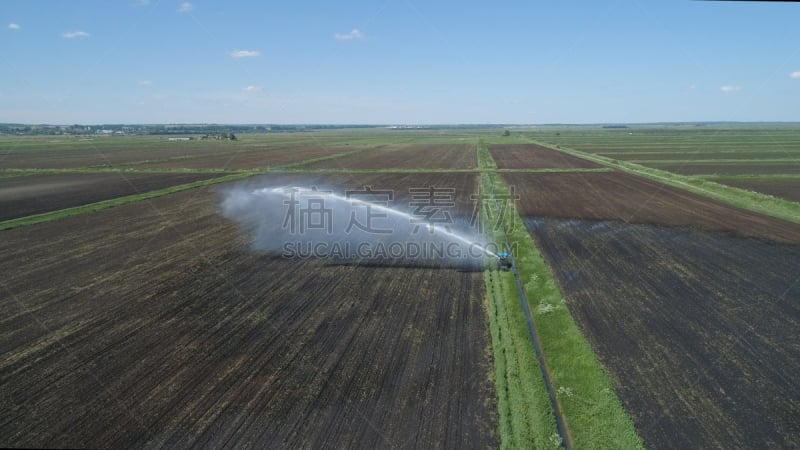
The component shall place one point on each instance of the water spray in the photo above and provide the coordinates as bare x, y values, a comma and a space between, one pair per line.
320, 232
356, 202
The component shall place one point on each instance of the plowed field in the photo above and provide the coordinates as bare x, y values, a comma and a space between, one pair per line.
154, 324
34, 194
788, 189
698, 330
628, 198
532, 156
406, 157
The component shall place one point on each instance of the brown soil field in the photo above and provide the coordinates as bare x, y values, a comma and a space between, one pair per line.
100, 154
406, 157
246, 159
689, 156
532, 156
698, 330
786, 189
756, 168
159, 154
153, 324
34, 194
633, 199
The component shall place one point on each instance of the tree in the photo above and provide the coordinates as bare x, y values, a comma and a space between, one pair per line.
506, 133
231, 136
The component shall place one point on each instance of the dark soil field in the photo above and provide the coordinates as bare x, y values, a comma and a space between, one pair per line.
66, 153
698, 330
156, 153
34, 194
406, 157
787, 188
246, 158
701, 155
715, 168
532, 156
153, 324
628, 198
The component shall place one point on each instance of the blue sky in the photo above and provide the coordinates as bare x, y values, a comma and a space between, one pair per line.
398, 61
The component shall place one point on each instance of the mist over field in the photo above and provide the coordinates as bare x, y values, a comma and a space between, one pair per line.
312, 222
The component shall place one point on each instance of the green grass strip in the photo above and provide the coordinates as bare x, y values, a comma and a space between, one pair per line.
741, 198
98, 206
525, 417
593, 412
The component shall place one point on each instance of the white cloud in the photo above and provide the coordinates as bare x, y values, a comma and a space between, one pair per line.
144, 83
13, 26
185, 7
252, 89
75, 34
795, 75
728, 89
355, 34
236, 54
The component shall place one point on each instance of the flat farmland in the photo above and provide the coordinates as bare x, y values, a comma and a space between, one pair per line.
532, 156
693, 150
246, 158
786, 188
632, 199
34, 194
153, 324
249, 152
722, 168
686, 140
698, 330
406, 156
159, 323
73, 152
701, 154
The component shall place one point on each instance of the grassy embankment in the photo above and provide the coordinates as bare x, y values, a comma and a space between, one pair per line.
593, 414
526, 419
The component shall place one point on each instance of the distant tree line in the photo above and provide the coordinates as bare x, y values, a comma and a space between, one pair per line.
203, 129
